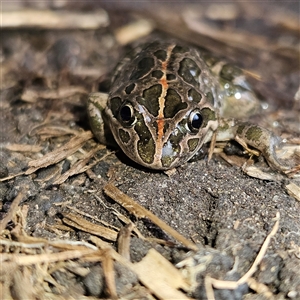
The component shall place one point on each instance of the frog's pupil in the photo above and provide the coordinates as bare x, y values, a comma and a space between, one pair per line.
125, 113
196, 121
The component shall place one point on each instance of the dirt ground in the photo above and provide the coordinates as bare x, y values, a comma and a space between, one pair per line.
52, 210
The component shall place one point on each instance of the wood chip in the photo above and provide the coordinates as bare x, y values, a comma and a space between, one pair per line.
255, 172
160, 276
141, 212
293, 190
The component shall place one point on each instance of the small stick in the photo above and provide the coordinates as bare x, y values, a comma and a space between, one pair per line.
141, 212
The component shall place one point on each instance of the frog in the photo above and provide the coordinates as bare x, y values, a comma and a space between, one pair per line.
168, 99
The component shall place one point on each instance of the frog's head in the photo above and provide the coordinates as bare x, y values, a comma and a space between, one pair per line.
156, 109
160, 132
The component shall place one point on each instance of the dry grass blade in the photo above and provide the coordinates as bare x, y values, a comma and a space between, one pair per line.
11, 176
59, 154
246, 278
27, 260
84, 225
73, 245
232, 37
141, 212
109, 274
28, 242
127, 221
81, 166
106, 224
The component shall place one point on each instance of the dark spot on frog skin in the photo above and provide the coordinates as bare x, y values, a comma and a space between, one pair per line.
129, 88
150, 99
194, 96
241, 128
173, 104
161, 54
189, 71
145, 145
254, 133
171, 77
124, 136
144, 66
192, 144
157, 74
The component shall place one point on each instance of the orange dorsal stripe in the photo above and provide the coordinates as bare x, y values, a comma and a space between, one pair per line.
161, 100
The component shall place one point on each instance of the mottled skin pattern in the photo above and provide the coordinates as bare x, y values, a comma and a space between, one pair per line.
167, 100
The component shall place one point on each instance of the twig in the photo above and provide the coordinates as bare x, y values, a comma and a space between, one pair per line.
84, 225
141, 212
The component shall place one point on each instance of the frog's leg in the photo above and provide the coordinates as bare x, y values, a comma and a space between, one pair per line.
254, 136
96, 105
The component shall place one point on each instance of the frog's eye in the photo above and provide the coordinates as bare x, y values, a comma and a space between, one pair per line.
127, 115
195, 121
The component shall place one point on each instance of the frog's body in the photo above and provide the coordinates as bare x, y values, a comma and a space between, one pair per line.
167, 100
